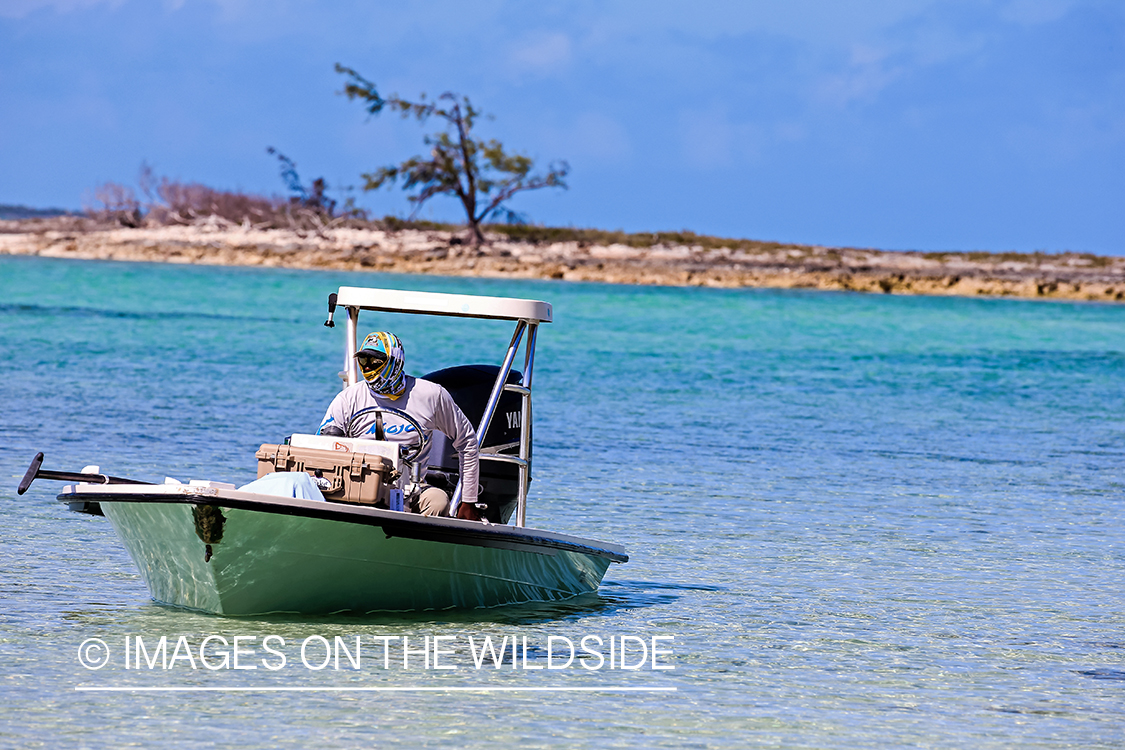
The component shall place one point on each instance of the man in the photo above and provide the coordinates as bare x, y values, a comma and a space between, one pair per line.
385, 383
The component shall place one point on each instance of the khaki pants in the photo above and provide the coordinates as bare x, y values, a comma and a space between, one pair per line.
432, 502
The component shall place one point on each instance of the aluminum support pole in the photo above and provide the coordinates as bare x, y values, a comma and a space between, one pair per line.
349, 347
493, 401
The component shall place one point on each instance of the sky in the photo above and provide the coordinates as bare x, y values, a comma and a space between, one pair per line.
929, 125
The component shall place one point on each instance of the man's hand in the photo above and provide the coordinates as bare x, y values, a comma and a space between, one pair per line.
468, 512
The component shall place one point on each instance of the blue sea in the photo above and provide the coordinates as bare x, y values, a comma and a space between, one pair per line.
854, 521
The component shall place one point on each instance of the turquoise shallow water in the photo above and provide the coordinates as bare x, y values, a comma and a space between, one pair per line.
868, 521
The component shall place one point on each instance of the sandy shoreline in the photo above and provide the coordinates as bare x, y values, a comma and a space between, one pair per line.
1064, 276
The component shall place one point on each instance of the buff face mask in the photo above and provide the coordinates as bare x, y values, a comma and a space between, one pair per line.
382, 361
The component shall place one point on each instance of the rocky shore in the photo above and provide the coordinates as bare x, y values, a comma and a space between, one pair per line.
712, 263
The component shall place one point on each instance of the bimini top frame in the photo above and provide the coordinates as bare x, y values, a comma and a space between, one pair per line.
456, 305
527, 314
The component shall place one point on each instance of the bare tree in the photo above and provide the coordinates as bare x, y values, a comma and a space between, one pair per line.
119, 204
480, 174
312, 197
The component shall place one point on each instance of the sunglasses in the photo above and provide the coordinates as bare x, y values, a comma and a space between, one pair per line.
371, 360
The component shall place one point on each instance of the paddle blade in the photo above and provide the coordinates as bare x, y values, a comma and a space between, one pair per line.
32, 473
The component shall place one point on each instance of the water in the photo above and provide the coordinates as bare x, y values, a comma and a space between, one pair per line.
868, 521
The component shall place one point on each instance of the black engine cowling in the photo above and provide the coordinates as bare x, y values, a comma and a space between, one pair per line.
470, 386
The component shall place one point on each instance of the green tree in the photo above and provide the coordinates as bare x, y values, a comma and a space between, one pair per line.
480, 174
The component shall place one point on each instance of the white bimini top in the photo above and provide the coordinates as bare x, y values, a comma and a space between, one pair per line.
434, 303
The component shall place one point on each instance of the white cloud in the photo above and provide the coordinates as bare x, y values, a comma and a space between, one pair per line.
868, 72
542, 51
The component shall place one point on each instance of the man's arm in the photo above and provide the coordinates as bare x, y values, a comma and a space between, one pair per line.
335, 418
452, 421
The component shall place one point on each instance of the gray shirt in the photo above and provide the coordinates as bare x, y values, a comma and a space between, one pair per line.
428, 403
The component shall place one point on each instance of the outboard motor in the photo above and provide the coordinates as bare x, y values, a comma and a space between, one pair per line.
470, 386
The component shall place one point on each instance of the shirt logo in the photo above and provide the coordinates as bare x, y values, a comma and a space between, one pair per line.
394, 429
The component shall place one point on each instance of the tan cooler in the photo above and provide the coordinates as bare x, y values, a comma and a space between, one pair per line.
342, 476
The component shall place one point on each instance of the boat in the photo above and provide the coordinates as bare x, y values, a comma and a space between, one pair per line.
209, 546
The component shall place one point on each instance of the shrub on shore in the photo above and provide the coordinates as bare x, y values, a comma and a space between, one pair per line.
164, 202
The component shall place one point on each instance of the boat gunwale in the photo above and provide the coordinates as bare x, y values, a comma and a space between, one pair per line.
393, 523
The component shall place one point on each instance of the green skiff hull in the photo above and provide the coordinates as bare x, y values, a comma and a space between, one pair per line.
277, 556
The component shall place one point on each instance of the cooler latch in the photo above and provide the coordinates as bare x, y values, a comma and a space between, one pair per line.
357, 467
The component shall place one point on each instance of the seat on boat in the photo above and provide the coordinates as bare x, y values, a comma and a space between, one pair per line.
470, 386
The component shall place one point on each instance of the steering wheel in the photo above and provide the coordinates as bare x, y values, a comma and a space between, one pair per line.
409, 452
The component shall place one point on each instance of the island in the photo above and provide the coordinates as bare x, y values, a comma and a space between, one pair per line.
521, 251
